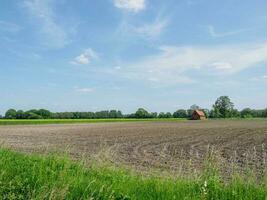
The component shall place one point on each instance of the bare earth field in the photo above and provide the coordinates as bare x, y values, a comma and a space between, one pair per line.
171, 146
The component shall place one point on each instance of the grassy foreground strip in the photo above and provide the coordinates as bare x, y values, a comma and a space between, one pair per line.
51, 177
72, 121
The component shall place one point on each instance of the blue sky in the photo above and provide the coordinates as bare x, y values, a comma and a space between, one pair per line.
123, 54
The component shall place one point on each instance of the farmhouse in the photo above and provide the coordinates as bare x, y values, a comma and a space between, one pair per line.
198, 115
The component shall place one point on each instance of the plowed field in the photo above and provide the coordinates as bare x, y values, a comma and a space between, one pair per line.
146, 145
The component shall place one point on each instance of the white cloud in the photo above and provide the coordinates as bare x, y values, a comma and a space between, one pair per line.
173, 64
153, 30
9, 27
84, 90
131, 5
260, 78
148, 31
53, 34
86, 57
222, 65
215, 34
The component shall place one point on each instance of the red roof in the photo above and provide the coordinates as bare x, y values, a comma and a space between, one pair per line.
200, 113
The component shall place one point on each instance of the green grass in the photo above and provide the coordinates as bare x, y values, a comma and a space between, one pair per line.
52, 177
71, 121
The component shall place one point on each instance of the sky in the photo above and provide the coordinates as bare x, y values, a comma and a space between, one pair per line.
89, 55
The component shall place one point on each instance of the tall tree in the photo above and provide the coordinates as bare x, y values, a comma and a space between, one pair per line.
142, 113
223, 107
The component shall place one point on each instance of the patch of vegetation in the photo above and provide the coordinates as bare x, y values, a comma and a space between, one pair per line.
222, 108
52, 177
72, 121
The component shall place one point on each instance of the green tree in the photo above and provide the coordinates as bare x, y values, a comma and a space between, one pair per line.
192, 109
119, 114
161, 115
45, 114
206, 112
235, 113
164, 115
223, 107
168, 115
246, 113
142, 113
112, 114
102, 114
154, 115
180, 114
264, 113
20, 114
32, 115
33, 111
11, 114
195, 107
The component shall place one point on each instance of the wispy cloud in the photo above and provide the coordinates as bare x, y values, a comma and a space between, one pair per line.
85, 58
215, 34
259, 78
53, 34
222, 65
130, 5
173, 64
153, 30
84, 90
150, 31
9, 27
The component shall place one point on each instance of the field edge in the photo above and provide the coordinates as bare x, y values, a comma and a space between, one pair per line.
77, 121
54, 177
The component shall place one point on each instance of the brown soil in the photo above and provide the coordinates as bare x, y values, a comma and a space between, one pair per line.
157, 145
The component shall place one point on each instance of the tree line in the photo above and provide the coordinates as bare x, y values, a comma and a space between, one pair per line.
222, 108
